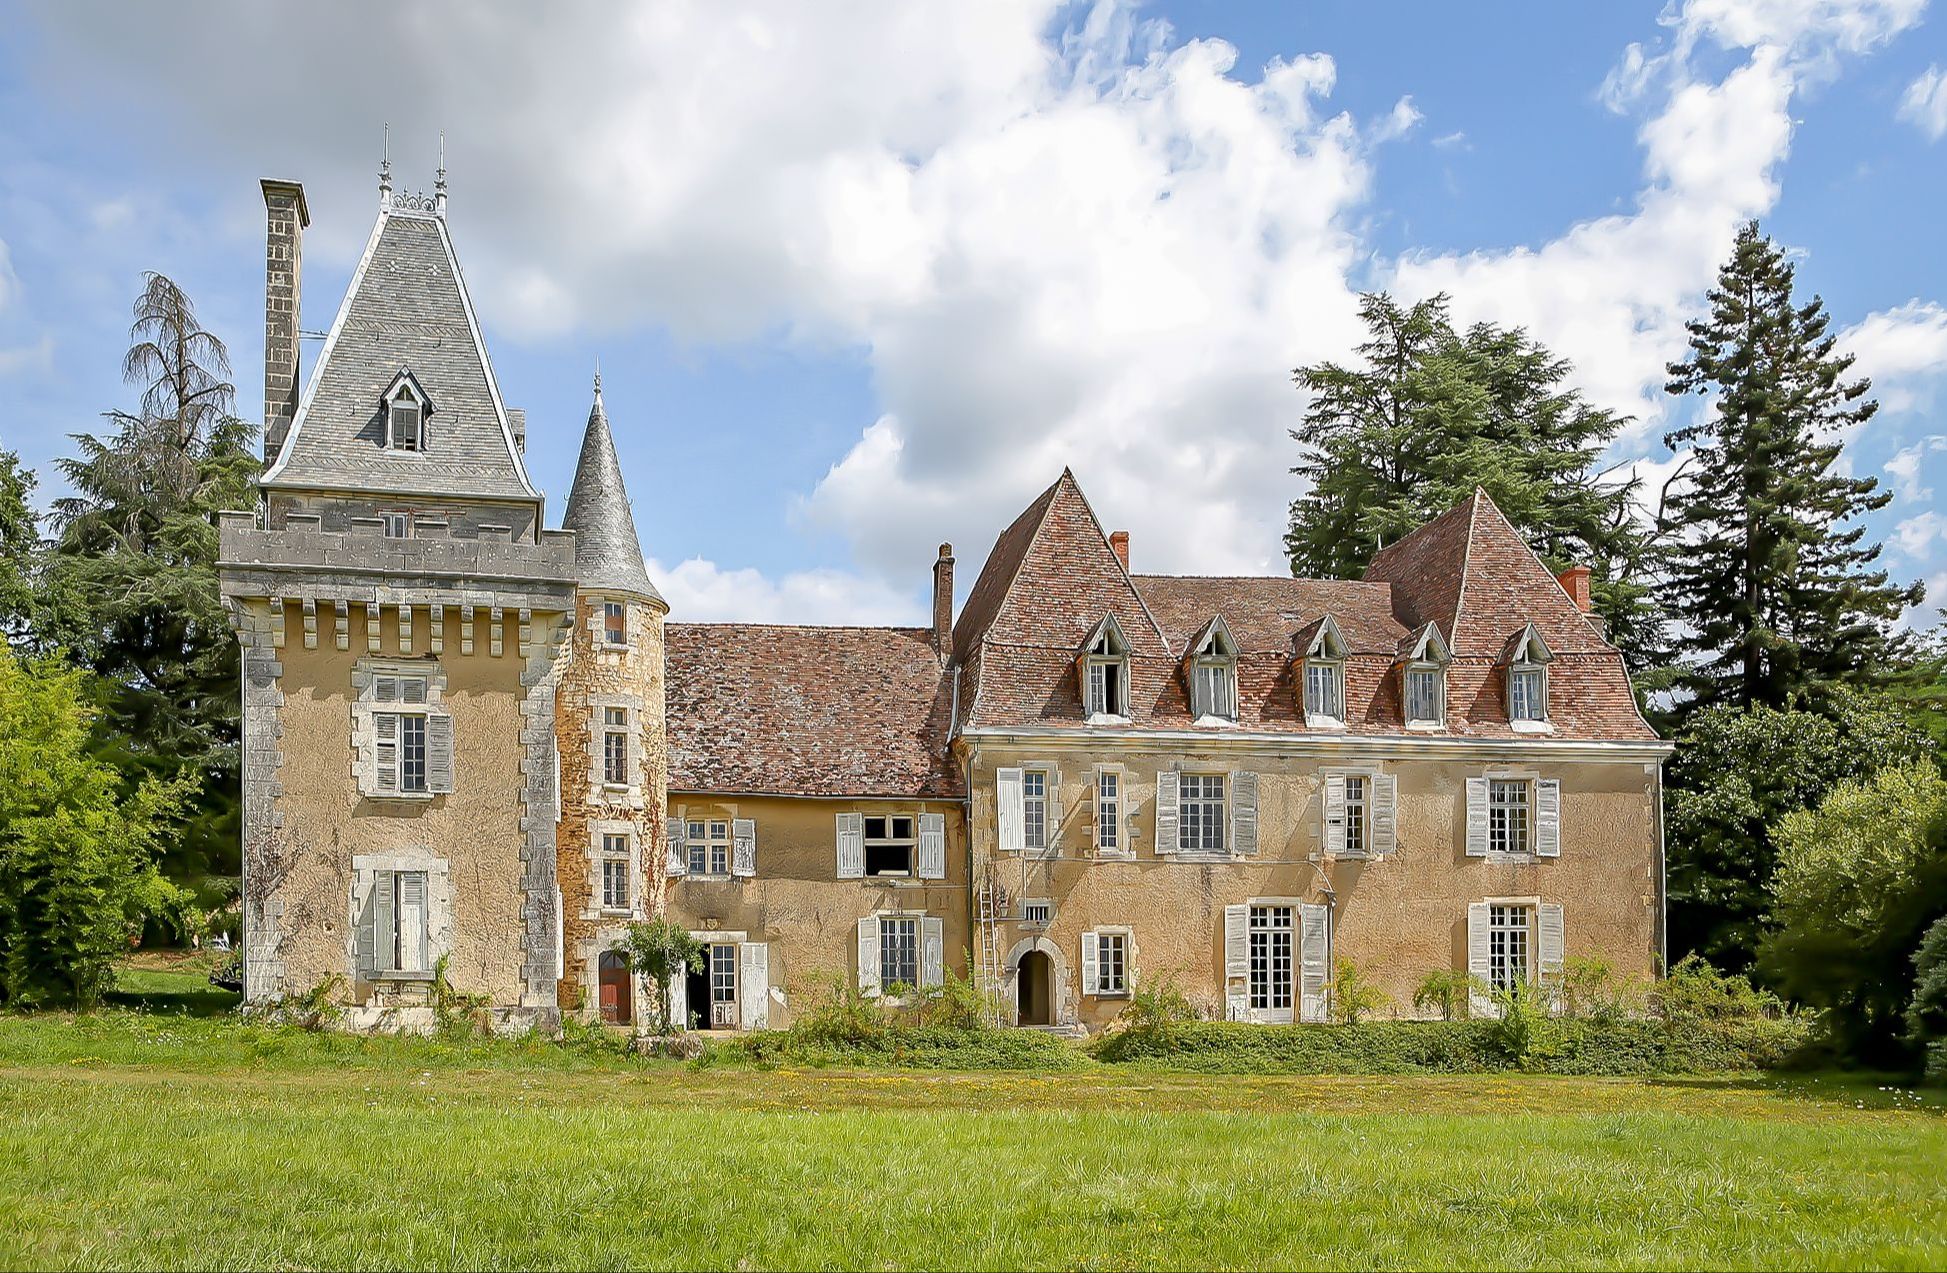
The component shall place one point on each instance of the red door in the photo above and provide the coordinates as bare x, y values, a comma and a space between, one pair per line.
615, 996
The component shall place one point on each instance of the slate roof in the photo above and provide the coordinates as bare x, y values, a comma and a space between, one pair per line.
810, 711
407, 310
608, 557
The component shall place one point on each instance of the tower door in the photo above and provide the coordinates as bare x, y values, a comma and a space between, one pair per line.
617, 989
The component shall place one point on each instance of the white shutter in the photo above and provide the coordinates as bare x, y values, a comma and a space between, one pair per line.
679, 999
1010, 810
1383, 809
932, 951
1166, 810
1314, 940
851, 852
1477, 817
439, 753
1243, 812
1237, 960
1334, 815
1550, 939
679, 849
385, 689
1091, 962
385, 924
385, 732
932, 846
1477, 920
365, 941
754, 985
869, 954
743, 846
1548, 817
412, 921
1051, 776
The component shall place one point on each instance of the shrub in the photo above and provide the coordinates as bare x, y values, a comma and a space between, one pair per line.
1353, 997
1522, 1009
1158, 1004
1449, 991
1590, 989
1926, 1016
1696, 991
661, 951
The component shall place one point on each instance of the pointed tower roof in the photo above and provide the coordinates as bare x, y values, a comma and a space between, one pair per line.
608, 557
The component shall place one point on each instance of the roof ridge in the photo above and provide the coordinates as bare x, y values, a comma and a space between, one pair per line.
1466, 563
802, 627
1068, 475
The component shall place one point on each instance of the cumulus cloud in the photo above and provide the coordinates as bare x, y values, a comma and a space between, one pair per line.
1915, 535
700, 591
1925, 103
1905, 466
1903, 350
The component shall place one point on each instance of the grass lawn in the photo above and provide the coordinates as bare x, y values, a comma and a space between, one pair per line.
140, 1140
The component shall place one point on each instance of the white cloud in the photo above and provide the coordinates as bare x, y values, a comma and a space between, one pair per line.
1905, 467
700, 591
1925, 103
1903, 350
1915, 536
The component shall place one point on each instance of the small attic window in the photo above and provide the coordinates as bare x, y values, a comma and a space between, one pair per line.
1527, 672
1105, 671
1424, 681
1213, 675
406, 408
1325, 677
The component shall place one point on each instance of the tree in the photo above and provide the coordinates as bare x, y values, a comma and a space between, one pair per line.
1775, 591
1860, 880
662, 951
1735, 775
77, 857
20, 546
131, 588
1926, 1016
1430, 415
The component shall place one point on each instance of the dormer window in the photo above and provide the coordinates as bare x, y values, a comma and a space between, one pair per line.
1527, 672
1424, 680
1213, 674
1105, 671
406, 408
1325, 677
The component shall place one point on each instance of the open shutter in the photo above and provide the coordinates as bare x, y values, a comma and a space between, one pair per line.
385, 924
679, 849
932, 951
412, 921
439, 753
679, 999
1477, 817
851, 851
1550, 938
1052, 776
1010, 810
1334, 815
1237, 961
869, 955
1548, 817
1314, 939
754, 985
932, 846
365, 940
1243, 812
1166, 807
1478, 1003
385, 732
1384, 807
743, 846
1091, 963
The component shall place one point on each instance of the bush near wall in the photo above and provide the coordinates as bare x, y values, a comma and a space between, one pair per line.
922, 1047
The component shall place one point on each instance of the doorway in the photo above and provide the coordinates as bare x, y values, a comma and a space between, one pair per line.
1034, 989
617, 989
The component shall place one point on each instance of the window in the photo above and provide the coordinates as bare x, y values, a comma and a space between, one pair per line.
401, 749
1112, 963
1507, 815
723, 984
615, 623
1106, 689
890, 845
395, 525
1507, 946
400, 730
1037, 913
1356, 811
1201, 816
405, 424
615, 872
615, 746
1213, 676
1108, 811
1324, 690
898, 951
1034, 808
1270, 945
408, 936
709, 847
1527, 693
1425, 695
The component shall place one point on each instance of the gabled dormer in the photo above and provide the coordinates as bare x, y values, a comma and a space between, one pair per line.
1104, 669
1322, 677
1525, 663
408, 411
1211, 666
1423, 678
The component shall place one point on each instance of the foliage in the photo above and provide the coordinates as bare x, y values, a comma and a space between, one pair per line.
1433, 413
1451, 992
20, 548
1776, 591
314, 1009
957, 1003
77, 857
1736, 773
1353, 997
1926, 1016
1589, 989
454, 1012
1157, 1004
1860, 879
1520, 1010
1695, 991
662, 951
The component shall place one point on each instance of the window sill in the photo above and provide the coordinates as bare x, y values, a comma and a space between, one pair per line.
707, 877
1216, 722
1107, 718
1425, 726
1111, 994
617, 912
410, 797
1115, 855
1325, 724
1532, 727
426, 975
1528, 858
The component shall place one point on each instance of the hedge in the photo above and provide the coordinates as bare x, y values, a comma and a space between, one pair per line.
907, 1047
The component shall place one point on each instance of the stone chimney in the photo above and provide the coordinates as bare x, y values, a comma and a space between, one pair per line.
1119, 540
1575, 582
286, 218
943, 601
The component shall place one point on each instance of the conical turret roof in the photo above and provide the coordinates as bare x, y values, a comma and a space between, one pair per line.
608, 557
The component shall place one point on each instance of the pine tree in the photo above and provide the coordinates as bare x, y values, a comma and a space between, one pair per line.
1430, 415
1773, 585
20, 546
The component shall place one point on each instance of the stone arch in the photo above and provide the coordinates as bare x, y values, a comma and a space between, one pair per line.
1064, 1002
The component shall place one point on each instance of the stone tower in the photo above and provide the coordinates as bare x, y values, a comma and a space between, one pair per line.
610, 731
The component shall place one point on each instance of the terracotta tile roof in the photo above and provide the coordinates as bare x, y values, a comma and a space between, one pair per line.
1271, 615
761, 708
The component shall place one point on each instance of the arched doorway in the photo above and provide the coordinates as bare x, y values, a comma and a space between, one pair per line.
1034, 989
617, 988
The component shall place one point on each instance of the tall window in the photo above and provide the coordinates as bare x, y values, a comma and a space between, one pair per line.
1108, 810
1325, 689
1201, 813
1507, 815
890, 845
1107, 668
709, 847
409, 927
615, 872
1034, 808
899, 951
1357, 820
1270, 938
615, 623
406, 424
1112, 963
1527, 693
723, 984
1507, 946
615, 746
1426, 695
399, 733
1213, 676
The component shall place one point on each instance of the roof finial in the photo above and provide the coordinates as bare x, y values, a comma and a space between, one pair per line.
598, 375
439, 180
385, 168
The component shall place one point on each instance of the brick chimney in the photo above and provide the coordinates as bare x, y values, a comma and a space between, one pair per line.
286, 217
1119, 540
1575, 582
943, 601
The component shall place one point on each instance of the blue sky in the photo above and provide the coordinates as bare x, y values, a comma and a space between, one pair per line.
863, 278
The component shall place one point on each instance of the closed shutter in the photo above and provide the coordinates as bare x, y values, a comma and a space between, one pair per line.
743, 846
1477, 817
679, 849
1334, 815
413, 955
1385, 813
385, 730
1052, 777
851, 849
1243, 812
439, 754
932, 951
1091, 963
385, 924
754, 985
932, 846
869, 955
1166, 810
1314, 939
679, 999
365, 940
1548, 817
1009, 810
1550, 939
385, 689
1237, 961
1478, 1002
